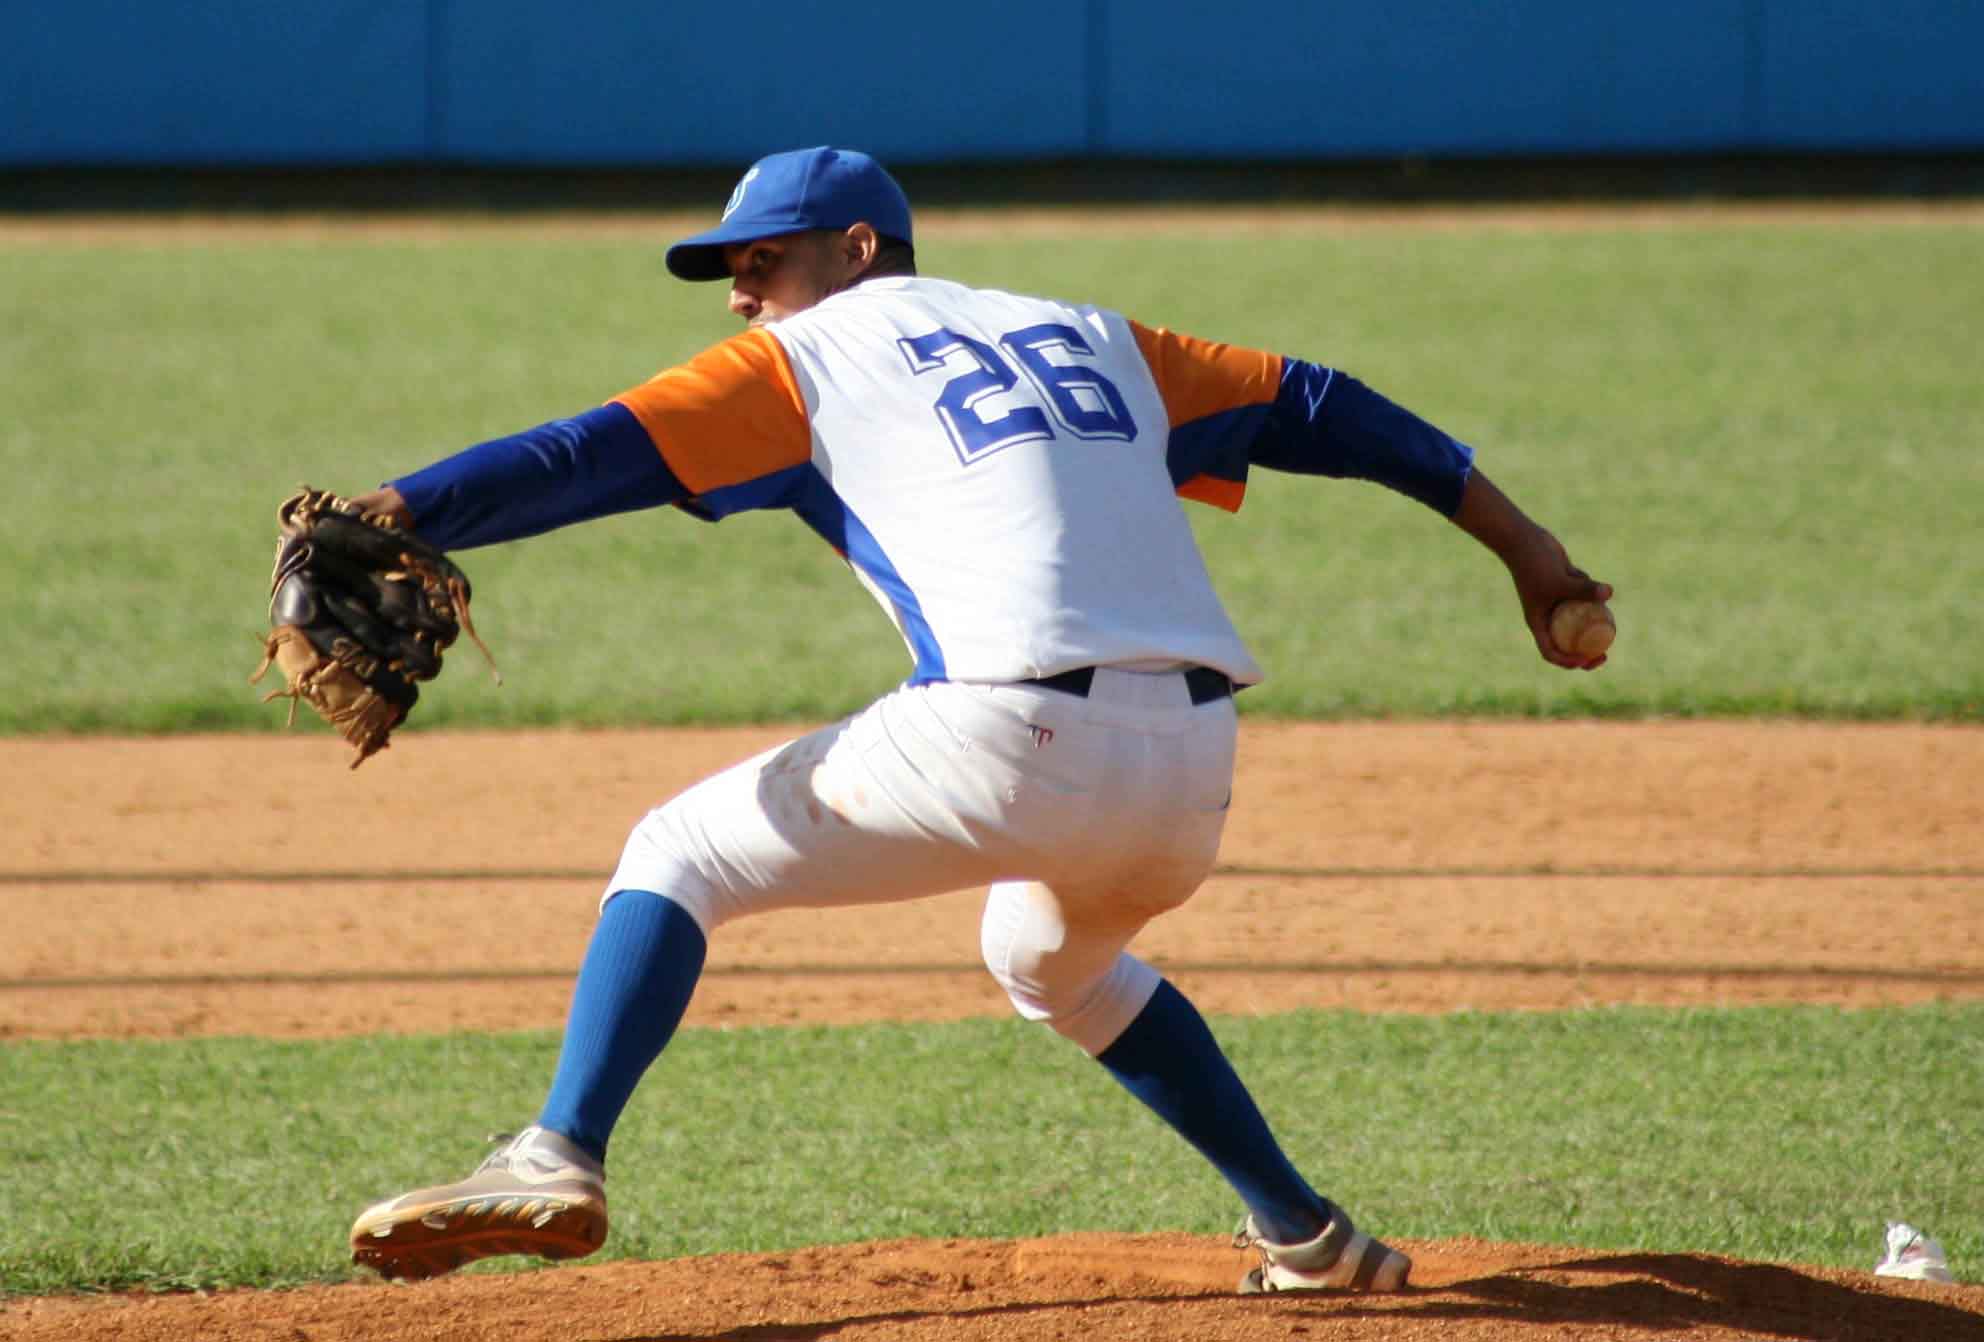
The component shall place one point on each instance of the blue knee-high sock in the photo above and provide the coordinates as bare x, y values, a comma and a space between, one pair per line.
640, 968
1168, 1059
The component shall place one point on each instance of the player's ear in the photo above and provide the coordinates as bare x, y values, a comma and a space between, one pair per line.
859, 247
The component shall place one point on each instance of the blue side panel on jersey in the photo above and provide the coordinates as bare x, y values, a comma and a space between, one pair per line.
808, 494
827, 513
1216, 445
565, 471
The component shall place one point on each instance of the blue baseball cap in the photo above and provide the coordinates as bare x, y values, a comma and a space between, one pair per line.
793, 192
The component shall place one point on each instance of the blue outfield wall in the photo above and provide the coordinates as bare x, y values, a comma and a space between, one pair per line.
523, 81
624, 83
225, 81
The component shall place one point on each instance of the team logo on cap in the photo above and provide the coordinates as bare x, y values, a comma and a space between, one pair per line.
737, 194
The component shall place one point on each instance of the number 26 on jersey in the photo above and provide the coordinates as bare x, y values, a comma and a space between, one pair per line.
982, 407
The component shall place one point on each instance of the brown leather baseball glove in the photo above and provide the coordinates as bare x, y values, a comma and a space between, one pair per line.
361, 610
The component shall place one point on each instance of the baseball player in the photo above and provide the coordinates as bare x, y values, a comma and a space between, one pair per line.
1003, 474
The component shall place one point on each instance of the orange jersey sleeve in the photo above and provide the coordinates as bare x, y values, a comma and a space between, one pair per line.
1206, 387
732, 414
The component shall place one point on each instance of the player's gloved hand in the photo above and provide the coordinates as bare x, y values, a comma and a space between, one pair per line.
361, 610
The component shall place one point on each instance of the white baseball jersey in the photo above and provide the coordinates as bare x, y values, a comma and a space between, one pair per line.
993, 466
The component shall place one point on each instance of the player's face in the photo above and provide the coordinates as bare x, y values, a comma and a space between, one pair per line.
772, 278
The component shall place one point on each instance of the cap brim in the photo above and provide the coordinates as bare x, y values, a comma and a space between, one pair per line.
697, 261
700, 257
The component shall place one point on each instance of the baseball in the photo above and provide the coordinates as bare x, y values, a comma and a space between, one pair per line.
1582, 628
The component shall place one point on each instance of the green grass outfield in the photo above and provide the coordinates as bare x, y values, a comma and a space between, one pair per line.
1783, 1134
1766, 435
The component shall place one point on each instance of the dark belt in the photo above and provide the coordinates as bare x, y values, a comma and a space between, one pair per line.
1202, 682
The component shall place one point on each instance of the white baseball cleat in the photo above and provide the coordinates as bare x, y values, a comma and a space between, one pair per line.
1342, 1258
538, 1194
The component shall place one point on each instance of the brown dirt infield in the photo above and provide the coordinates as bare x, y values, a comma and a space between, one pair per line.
1374, 866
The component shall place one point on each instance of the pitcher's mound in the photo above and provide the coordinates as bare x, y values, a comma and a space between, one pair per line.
1083, 1288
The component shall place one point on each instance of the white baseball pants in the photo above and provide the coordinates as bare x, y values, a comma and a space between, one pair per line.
1087, 816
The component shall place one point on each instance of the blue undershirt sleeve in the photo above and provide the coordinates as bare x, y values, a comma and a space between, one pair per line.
566, 471
1325, 422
